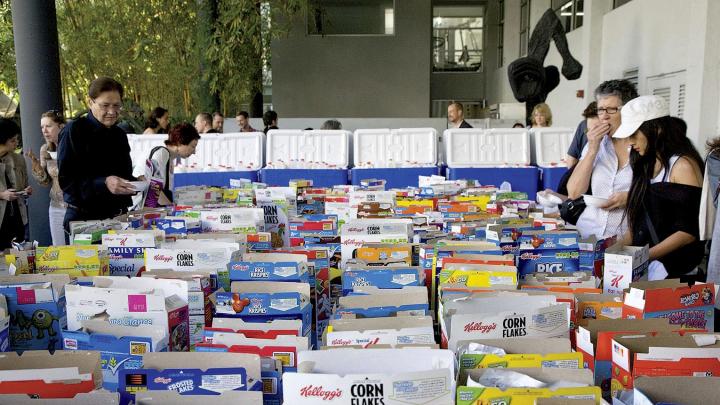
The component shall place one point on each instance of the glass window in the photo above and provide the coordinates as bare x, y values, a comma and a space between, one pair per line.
570, 13
501, 32
357, 17
458, 38
524, 26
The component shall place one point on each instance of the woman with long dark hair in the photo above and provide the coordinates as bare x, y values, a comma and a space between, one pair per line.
158, 122
664, 197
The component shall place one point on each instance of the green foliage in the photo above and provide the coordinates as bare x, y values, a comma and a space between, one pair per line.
157, 50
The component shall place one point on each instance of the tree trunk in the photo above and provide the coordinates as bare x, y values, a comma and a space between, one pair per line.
207, 14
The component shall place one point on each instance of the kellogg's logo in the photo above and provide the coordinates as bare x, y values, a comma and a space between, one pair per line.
319, 392
530, 256
479, 327
689, 299
162, 380
163, 258
123, 241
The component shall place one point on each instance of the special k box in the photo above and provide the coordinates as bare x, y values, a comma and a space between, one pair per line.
127, 252
689, 307
130, 308
374, 331
624, 265
42, 375
594, 341
626, 348
394, 377
74, 260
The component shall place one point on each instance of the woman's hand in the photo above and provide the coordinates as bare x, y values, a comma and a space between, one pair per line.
616, 200
28, 191
36, 166
9, 195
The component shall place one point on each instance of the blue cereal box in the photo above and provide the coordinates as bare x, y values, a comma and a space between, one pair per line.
382, 277
413, 303
264, 301
192, 374
36, 305
120, 347
4, 325
548, 252
269, 267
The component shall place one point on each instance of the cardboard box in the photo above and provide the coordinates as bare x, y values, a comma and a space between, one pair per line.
192, 374
381, 277
597, 306
262, 301
90, 398
502, 315
396, 376
190, 260
592, 252
369, 332
547, 252
379, 306
173, 397
373, 252
130, 308
676, 390
358, 232
4, 325
235, 220
199, 307
120, 347
74, 260
594, 341
626, 348
282, 347
126, 253
689, 307
574, 280
519, 353
37, 305
470, 392
268, 267
624, 265
43, 375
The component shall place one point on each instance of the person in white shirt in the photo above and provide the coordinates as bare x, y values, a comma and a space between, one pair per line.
604, 170
181, 143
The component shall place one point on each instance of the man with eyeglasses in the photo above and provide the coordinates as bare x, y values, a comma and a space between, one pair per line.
604, 168
94, 162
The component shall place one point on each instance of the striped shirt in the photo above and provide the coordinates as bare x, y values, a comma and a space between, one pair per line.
606, 180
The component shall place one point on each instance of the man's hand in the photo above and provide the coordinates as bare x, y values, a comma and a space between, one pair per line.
118, 186
616, 200
9, 195
596, 134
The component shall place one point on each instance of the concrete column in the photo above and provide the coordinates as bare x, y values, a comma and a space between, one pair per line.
38, 73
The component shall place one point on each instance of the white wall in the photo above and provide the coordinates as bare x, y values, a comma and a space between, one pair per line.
656, 36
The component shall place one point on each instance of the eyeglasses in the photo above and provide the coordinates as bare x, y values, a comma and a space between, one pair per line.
108, 107
608, 110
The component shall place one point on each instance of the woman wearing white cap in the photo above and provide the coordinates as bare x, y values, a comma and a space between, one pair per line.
664, 197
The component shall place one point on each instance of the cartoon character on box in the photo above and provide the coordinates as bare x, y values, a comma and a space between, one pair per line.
707, 296
239, 304
178, 336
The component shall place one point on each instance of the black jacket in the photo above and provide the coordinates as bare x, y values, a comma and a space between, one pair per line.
88, 153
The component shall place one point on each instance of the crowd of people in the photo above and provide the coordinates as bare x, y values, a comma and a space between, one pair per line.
628, 151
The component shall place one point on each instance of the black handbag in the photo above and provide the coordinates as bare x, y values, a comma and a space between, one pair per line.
570, 210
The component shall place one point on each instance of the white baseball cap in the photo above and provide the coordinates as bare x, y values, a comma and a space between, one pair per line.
639, 110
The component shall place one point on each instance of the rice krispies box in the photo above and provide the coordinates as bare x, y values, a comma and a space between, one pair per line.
263, 301
382, 277
548, 252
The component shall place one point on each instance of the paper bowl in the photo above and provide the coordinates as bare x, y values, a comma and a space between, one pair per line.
593, 201
53, 155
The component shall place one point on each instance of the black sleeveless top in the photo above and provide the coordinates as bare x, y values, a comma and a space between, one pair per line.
672, 207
